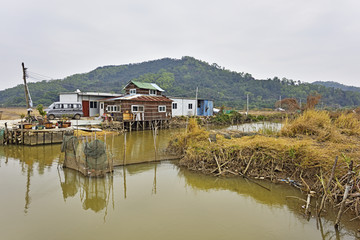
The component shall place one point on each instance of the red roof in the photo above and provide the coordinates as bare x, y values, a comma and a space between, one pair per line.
139, 97
146, 98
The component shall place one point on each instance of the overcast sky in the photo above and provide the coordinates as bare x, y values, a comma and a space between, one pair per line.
307, 40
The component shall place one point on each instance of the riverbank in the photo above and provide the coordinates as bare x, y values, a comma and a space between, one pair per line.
303, 152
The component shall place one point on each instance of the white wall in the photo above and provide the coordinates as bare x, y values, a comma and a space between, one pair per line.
73, 97
183, 107
78, 97
92, 111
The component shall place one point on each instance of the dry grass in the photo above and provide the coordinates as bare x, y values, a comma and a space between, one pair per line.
305, 148
348, 124
316, 124
12, 113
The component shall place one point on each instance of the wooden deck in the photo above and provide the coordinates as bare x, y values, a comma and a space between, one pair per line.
34, 137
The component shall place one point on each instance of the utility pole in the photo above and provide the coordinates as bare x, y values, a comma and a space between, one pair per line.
280, 101
196, 100
25, 86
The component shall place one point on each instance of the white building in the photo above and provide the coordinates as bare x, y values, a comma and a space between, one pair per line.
89, 100
183, 106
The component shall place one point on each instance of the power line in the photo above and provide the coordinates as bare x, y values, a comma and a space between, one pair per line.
38, 75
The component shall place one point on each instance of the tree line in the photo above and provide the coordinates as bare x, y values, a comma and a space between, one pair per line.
179, 78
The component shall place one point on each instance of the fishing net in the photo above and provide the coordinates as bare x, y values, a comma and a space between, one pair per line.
95, 155
69, 146
89, 158
2, 134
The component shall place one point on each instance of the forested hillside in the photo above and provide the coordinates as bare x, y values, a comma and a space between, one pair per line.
180, 77
337, 85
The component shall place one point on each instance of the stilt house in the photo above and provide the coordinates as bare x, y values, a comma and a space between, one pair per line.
142, 105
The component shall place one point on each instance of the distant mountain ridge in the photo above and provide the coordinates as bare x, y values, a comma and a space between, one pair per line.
179, 78
337, 85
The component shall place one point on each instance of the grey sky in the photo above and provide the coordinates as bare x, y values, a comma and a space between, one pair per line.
307, 40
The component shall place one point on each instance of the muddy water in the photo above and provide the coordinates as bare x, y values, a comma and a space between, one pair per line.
39, 200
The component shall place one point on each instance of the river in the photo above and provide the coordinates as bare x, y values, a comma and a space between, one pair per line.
41, 200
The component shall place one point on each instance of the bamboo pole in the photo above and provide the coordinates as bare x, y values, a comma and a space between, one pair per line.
348, 187
124, 148
327, 187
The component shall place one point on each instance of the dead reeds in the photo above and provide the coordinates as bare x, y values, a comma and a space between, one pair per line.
302, 153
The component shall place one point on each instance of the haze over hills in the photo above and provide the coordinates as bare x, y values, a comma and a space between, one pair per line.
180, 77
337, 85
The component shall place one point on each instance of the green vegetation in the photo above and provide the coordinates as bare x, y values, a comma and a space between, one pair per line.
180, 77
40, 109
337, 85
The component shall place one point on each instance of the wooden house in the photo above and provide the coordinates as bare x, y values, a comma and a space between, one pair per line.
142, 106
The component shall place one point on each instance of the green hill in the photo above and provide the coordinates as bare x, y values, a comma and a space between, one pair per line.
337, 85
180, 77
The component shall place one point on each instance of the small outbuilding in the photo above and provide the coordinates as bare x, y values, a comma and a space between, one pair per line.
191, 107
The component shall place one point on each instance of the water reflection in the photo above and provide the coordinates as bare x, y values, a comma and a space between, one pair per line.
148, 195
139, 147
44, 156
278, 197
38, 157
94, 193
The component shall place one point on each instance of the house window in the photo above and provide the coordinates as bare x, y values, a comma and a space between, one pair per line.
101, 105
113, 108
190, 106
152, 92
174, 105
93, 104
132, 91
137, 108
162, 108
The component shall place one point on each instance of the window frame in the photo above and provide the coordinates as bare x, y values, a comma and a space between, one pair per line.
152, 92
174, 105
190, 106
93, 104
138, 106
132, 91
113, 108
162, 106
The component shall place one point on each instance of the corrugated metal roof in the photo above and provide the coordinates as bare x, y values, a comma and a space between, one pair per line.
139, 97
92, 94
157, 87
143, 85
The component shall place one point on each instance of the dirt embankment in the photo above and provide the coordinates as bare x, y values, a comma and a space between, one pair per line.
302, 153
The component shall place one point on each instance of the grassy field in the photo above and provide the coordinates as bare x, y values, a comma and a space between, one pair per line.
12, 113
